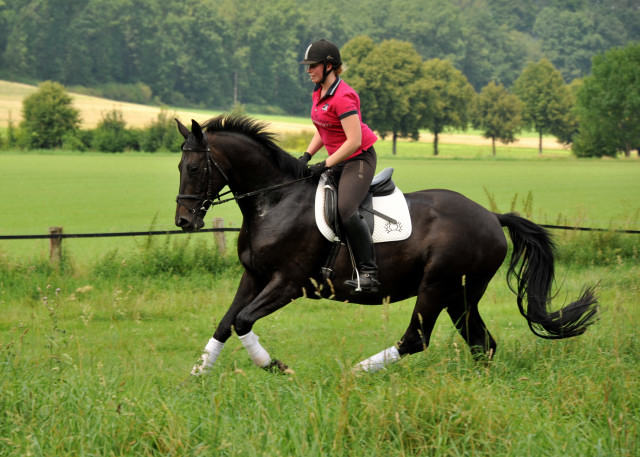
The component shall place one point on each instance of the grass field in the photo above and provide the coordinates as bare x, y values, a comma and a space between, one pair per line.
95, 193
95, 355
96, 363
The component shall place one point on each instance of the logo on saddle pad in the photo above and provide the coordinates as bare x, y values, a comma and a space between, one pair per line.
391, 218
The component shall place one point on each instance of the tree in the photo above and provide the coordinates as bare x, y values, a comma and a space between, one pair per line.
492, 51
48, 115
443, 98
382, 78
498, 114
546, 99
569, 39
608, 104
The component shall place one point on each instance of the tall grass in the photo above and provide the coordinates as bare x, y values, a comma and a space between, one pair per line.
95, 362
95, 353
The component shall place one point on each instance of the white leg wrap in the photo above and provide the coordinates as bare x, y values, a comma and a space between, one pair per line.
257, 353
379, 361
211, 352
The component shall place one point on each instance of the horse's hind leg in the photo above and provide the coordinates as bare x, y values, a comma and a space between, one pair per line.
416, 338
464, 314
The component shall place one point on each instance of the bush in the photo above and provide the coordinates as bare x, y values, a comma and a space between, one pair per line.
589, 143
597, 248
48, 116
161, 135
111, 134
133, 93
72, 142
8, 140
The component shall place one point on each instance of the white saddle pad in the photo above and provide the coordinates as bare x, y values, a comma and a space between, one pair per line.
394, 206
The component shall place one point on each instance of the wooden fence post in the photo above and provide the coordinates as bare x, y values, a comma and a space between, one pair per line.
55, 245
218, 237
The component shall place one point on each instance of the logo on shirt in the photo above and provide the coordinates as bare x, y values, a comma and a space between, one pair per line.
325, 107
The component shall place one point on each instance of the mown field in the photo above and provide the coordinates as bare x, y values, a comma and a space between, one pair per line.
95, 354
95, 193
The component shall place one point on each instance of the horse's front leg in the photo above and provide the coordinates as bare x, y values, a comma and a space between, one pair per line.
247, 291
276, 294
252, 302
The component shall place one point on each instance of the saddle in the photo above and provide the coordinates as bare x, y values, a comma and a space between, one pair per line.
381, 186
384, 209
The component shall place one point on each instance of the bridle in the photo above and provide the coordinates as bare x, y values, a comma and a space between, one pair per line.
205, 190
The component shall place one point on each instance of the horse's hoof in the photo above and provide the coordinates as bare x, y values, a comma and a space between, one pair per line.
277, 366
201, 367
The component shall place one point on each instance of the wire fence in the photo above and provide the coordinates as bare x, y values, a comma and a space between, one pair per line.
111, 235
231, 229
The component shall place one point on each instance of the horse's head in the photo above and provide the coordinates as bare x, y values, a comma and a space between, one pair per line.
200, 178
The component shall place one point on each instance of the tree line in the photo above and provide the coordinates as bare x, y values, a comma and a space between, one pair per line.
597, 116
221, 53
401, 90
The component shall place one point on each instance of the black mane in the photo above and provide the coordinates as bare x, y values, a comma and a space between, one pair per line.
258, 131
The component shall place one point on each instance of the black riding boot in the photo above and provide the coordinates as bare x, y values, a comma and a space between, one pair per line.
361, 243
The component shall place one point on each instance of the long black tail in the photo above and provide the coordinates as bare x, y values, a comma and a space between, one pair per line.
532, 265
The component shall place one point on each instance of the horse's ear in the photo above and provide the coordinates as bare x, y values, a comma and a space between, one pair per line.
182, 129
196, 130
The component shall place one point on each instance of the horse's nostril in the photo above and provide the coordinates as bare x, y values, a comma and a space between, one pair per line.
183, 222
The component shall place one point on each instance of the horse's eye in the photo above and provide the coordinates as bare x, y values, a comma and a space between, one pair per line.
193, 169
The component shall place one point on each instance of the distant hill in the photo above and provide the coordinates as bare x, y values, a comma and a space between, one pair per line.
92, 110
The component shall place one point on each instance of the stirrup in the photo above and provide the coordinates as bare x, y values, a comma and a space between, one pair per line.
368, 285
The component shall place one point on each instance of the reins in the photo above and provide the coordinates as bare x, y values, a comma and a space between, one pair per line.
256, 192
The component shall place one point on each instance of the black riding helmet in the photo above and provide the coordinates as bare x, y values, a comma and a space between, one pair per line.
325, 52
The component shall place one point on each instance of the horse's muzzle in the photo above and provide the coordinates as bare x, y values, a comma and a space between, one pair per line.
189, 223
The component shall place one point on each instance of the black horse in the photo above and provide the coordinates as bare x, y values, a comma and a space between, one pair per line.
454, 250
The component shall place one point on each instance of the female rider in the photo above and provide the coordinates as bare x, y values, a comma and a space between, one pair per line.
335, 112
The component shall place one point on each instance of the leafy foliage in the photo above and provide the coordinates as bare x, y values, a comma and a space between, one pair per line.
546, 99
111, 133
160, 135
443, 98
381, 77
497, 113
48, 115
608, 105
222, 53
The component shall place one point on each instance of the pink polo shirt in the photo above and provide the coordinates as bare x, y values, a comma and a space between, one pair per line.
339, 102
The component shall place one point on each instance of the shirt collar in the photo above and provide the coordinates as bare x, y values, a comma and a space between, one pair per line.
332, 89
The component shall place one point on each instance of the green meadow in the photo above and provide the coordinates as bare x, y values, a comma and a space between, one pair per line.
96, 193
95, 353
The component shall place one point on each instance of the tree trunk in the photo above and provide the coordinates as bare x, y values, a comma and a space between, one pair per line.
435, 144
493, 145
235, 88
395, 140
540, 143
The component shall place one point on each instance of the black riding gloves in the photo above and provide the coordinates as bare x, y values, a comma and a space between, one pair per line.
305, 157
318, 168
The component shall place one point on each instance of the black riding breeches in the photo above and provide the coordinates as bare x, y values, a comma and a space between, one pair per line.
355, 182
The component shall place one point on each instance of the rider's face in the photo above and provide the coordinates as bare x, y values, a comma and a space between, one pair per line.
315, 72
